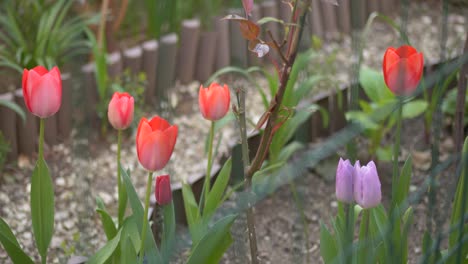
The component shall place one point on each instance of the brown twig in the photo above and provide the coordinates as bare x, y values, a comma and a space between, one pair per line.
277, 46
121, 16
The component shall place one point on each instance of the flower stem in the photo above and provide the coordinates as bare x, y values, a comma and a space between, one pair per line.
349, 232
145, 216
396, 151
121, 211
206, 185
41, 138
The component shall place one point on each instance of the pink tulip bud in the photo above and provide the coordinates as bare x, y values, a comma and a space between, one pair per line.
162, 190
402, 69
42, 91
248, 6
214, 101
344, 181
367, 190
155, 142
120, 110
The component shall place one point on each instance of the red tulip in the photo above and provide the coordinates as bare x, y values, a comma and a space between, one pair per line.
120, 110
162, 190
402, 69
42, 91
214, 101
155, 142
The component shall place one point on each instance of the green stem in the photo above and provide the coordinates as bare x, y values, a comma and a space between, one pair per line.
206, 185
41, 138
119, 180
396, 151
364, 241
145, 216
41, 157
349, 232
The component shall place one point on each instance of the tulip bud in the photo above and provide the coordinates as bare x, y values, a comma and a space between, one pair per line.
42, 91
214, 101
402, 69
155, 142
120, 110
248, 6
367, 190
162, 190
344, 181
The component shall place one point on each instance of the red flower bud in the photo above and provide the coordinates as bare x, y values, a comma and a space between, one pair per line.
162, 190
402, 69
42, 91
120, 110
214, 101
155, 142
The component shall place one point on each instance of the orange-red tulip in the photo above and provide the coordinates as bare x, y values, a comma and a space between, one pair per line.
214, 101
402, 69
42, 91
120, 110
155, 142
162, 190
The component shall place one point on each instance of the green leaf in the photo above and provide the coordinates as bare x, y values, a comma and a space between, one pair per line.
106, 251
403, 182
13, 106
122, 201
407, 223
414, 108
328, 247
192, 213
151, 249
216, 194
289, 150
362, 118
168, 236
374, 86
42, 206
460, 208
107, 222
11, 245
214, 243
130, 241
384, 153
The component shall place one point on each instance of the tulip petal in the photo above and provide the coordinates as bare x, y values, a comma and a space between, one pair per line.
41, 70
401, 78
406, 51
26, 93
45, 97
390, 58
158, 123
154, 151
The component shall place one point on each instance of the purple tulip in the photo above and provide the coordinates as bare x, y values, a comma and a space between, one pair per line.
367, 192
344, 181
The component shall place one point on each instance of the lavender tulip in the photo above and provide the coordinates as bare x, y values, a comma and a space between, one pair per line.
344, 181
367, 192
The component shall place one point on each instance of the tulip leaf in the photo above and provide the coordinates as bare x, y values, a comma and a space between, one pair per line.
129, 241
13, 106
151, 250
403, 182
407, 223
460, 209
214, 243
414, 108
11, 245
374, 86
192, 213
216, 194
168, 236
106, 251
107, 222
328, 247
42, 206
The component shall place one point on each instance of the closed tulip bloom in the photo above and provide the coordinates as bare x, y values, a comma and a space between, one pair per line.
42, 91
162, 190
402, 69
155, 142
344, 181
120, 110
367, 190
214, 101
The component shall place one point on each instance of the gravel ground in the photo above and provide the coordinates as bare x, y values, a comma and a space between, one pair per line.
86, 169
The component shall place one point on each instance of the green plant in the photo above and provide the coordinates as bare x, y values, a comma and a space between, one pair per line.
40, 33
4, 149
382, 101
449, 104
